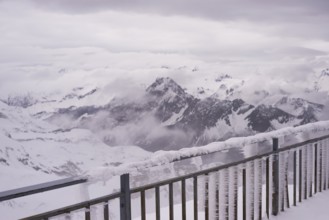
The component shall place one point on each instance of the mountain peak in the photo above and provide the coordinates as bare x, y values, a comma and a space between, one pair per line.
163, 85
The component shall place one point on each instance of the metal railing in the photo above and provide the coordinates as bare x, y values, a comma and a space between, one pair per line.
252, 188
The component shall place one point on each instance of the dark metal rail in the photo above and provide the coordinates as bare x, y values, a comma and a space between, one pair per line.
38, 188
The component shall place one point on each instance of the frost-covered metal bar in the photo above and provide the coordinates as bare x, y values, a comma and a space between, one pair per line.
315, 168
325, 164
226, 195
250, 190
300, 174
233, 193
310, 170
281, 175
244, 194
212, 194
267, 187
305, 161
206, 196
276, 181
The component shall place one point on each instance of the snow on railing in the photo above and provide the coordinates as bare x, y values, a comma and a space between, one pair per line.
257, 187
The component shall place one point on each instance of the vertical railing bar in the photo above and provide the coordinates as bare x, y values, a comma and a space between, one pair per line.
300, 181
106, 211
87, 212
195, 194
226, 181
217, 196
286, 179
171, 201
327, 156
327, 147
295, 177
260, 186
325, 165
311, 170
236, 186
157, 203
143, 205
252, 200
305, 171
244, 195
183, 199
125, 199
276, 168
206, 196
268, 187
316, 168
282, 182
321, 167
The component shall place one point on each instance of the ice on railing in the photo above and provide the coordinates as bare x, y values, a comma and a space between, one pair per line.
202, 192
213, 195
224, 193
282, 179
297, 173
250, 187
310, 169
325, 144
317, 174
271, 184
232, 191
256, 187
322, 165
290, 134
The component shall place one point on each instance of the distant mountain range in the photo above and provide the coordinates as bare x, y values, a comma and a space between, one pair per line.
166, 117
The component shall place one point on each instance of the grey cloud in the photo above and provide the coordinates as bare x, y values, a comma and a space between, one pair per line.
218, 9
293, 18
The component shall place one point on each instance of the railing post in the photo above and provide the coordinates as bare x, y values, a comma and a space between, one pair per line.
276, 170
125, 200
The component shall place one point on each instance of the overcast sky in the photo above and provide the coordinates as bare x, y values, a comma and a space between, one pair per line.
60, 43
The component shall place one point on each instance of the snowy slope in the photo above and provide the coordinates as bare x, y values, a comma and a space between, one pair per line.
36, 146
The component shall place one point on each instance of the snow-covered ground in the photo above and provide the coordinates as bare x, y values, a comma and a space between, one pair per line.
314, 208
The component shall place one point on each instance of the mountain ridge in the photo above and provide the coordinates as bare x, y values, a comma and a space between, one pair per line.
166, 117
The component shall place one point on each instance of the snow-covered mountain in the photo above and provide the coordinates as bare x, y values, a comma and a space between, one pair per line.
32, 150
166, 117
78, 131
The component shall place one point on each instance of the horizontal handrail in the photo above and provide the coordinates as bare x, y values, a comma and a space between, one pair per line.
38, 188
75, 207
